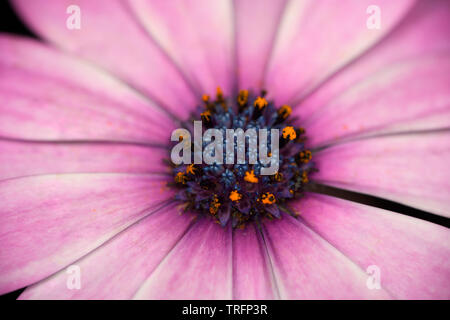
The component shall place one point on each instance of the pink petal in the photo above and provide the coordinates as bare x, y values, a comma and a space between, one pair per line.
117, 268
47, 222
316, 39
412, 255
308, 267
407, 96
251, 273
256, 26
199, 267
197, 35
49, 96
21, 158
411, 169
111, 38
422, 33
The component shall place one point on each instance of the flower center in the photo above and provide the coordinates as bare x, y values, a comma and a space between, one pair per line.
239, 192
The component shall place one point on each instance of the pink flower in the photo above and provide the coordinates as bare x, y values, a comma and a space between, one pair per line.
86, 119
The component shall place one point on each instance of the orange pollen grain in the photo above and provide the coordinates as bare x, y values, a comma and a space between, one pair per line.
206, 115
305, 156
180, 178
260, 103
278, 177
219, 93
214, 206
305, 177
285, 111
289, 132
268, 198
242, 97
190, 169
235, 196
250, 177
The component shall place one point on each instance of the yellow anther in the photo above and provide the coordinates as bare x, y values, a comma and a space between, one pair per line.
235, 196
285, 111
289, 133
305, 156
205, 98
242, 97
206, 115
190, 169
260, 103
278, 177
214, 205
180, 178
250, 177
213, 209
268, 198
219, 94
305, 178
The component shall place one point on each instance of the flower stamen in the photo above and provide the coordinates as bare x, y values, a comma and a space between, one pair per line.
260, 103
268, 198
289, 133
250, 177
235, 196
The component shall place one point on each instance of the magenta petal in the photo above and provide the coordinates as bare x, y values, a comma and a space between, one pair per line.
413, 256
308, 267
422, 33
111, 37
197, 35
316, 39
49, 96
47, 222
117, 268
407, 96
256, 24
251, 273
21, 158
199, 267
411, 169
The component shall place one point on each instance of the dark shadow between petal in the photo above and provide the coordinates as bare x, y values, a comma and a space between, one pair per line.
377, 202
357, 136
